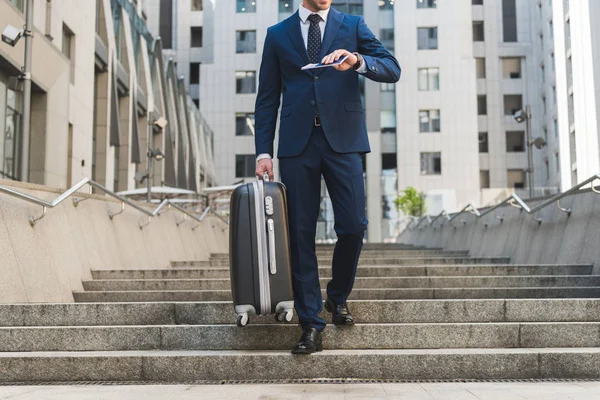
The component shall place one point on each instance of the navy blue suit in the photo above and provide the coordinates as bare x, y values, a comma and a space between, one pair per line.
307, 152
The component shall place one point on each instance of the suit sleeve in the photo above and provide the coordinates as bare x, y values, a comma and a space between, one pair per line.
268, 98
382, 66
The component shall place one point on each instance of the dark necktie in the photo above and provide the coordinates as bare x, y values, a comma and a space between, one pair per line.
313, 47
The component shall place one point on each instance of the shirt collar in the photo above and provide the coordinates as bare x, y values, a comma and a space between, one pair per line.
305, 13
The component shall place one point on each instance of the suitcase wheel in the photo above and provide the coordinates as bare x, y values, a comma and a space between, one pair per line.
242, 320
285, 316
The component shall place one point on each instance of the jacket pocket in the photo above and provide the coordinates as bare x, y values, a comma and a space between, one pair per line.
286, 111
354, 106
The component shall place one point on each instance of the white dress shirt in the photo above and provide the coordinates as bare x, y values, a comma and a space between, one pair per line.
304, 13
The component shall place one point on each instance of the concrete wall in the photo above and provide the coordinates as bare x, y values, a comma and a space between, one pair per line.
559, 239
47, 262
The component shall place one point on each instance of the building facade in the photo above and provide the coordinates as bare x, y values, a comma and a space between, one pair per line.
448, 128
99, 85
577, 43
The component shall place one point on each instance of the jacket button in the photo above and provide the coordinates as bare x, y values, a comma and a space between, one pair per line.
316, 78
312, 102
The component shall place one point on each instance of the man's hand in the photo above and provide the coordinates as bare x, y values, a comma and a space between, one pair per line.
336, 55
265, 165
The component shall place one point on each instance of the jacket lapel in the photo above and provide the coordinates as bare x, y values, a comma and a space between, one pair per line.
334, 22
295, 34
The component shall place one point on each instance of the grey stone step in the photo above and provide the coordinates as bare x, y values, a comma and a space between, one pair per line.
283, 337
363, 271
193, 366
365, 311
360, 283
358, 294
372, 261
382, 246
374, 254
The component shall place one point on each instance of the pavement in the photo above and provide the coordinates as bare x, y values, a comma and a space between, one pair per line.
413, 391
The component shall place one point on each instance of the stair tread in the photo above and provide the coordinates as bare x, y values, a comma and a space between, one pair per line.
328, 353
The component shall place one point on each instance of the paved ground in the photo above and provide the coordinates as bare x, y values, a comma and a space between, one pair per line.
413, 391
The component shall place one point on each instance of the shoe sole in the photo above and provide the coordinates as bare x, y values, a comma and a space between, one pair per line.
306, 353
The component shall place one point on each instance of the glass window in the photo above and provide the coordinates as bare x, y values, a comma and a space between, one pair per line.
426, 3
509, 20
515, 142
10, 150
196, 40
166, 23
478, 31
481, 104
386, 4
386, 36
245, 165
512, 103
431, 163
388, 121
429, 79
68, 49
246, 6
483, 142
245, 82
286, 8
245, 42
355, 9
429, 121
18, 3
194, 73
427, 38
244, 124
480, 67
484, 179
515, 178
511, 68
196, 5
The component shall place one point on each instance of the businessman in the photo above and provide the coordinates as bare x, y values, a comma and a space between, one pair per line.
322, 133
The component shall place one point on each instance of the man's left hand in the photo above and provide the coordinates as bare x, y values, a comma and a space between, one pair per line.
336, 55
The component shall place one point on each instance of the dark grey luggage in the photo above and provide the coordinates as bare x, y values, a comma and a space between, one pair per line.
259, 251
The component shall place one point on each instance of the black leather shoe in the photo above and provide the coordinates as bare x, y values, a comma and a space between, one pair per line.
340, 314
310, 342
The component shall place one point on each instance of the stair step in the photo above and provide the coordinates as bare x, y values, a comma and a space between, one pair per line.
283, 337
373, 261
357, 294
360, 283
376, 254
364, 311
190, 366
363, 271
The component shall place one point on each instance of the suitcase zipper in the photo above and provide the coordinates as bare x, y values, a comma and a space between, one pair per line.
272, 255
263, 267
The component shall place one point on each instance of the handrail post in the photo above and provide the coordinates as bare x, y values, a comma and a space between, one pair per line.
33, 220
112, 215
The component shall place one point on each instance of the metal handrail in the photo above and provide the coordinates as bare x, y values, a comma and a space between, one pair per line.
444, 213
515, 201
87, 181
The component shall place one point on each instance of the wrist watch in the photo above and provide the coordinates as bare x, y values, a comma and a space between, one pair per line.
359, 61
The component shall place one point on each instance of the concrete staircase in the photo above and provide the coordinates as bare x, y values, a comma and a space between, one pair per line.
421, 313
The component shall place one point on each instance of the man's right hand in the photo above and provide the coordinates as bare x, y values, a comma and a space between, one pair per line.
265, 165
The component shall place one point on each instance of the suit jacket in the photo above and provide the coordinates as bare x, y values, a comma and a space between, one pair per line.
335, 94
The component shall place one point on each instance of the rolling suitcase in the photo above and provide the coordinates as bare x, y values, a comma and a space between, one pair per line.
259, 252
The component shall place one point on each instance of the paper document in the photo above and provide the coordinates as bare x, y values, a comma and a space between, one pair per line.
319, 65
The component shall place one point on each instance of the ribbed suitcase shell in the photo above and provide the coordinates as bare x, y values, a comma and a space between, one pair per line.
245, 242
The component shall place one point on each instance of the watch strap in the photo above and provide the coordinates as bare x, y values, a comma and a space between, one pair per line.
359, 61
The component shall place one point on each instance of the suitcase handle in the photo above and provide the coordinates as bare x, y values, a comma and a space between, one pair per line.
272, 255
266, 177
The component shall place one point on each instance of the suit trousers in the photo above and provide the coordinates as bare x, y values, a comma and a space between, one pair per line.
343, 175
